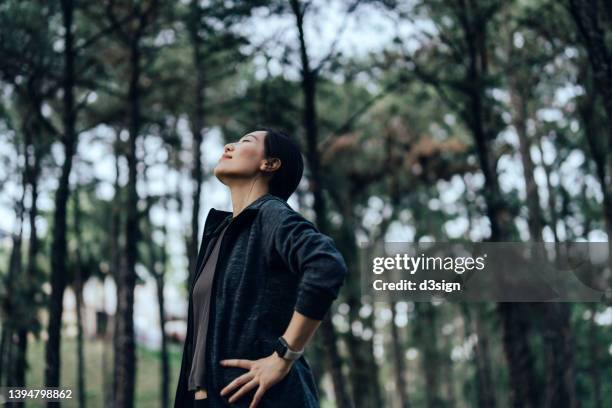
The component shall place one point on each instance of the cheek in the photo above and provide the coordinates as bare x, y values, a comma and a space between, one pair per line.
250, 156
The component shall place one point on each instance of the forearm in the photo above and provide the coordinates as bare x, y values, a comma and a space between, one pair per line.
300, 330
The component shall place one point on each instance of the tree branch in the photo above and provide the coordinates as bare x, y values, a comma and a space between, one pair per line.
339, 33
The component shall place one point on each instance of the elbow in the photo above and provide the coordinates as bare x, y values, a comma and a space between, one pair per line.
342, 274
315, 299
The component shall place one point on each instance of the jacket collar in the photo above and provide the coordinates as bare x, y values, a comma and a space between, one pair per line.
218, 219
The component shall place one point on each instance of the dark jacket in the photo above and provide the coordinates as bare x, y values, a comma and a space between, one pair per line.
272, 261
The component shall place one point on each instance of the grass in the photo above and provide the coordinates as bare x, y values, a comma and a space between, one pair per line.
148, 372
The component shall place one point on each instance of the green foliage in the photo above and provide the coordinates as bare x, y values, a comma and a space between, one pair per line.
397, 129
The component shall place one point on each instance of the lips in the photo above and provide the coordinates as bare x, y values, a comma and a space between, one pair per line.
226, 156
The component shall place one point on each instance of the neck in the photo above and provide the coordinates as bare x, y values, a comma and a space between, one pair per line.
244, 193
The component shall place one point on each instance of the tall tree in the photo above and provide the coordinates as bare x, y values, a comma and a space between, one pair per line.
215, 55
593, 19
463, 40
309, 122
131, 37
78, 291
525, 60
69, 140
9, 351
157, 265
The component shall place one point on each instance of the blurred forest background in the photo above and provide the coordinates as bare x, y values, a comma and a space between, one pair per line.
419, 120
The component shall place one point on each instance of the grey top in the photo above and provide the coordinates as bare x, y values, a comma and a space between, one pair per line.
201, 303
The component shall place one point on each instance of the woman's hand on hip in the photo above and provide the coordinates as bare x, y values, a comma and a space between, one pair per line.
263, 374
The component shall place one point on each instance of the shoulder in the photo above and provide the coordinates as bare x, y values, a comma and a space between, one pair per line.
276, 208
276, 211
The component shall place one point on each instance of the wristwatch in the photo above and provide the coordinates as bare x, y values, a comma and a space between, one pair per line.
283, 350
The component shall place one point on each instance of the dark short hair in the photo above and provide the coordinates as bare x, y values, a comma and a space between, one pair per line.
286, 179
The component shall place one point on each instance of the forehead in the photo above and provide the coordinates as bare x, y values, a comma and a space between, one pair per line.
258, 134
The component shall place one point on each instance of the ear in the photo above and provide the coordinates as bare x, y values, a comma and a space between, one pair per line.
271, 165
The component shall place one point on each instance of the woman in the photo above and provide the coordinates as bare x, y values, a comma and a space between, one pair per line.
265, 279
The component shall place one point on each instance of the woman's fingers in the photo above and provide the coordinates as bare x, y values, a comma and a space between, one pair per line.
245, 388
258, 395
237, 362
237, 382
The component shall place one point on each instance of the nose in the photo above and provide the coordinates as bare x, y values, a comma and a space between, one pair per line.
227, 147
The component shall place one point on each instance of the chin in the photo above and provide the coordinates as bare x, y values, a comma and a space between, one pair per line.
219, 169
223, 173
218, 174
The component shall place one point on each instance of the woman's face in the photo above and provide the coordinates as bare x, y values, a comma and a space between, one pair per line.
244, 158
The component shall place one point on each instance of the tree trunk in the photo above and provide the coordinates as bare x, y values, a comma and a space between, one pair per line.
513, 316
363, 374
78, 290
125, 345
595, 359
485, 386
334, 362
4, 351
485, 389
32, 172
13, 278
477, 115
552, 200
559, 349
448, 374
557, 332
519, 97
58, 250
399, 357
586, 16
310, 125
524, 390
116, 265
157, 269
587, 108
197, 121
425, 333
165, 362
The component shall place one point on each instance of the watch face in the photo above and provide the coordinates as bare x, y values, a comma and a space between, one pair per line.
280, 349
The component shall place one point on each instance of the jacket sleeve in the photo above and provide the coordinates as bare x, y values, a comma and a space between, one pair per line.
313, 257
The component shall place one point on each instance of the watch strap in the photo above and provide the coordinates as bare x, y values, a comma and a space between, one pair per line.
290, 354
